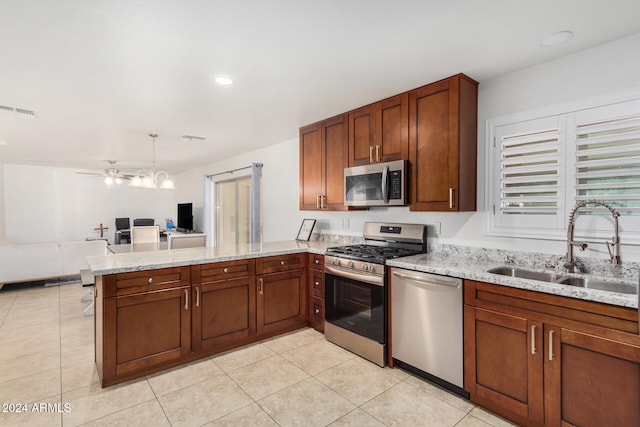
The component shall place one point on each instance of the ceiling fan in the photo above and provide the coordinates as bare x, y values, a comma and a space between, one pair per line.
111, 174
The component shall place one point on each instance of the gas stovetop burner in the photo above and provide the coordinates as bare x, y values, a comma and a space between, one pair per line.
371, 253
385, 241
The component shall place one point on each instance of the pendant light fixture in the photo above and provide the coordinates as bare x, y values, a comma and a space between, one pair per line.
149, 178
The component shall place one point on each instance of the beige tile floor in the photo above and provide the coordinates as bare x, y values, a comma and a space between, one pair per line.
298, 379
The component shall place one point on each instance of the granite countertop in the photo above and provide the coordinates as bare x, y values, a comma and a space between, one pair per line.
158, 258
447, 264
474, 269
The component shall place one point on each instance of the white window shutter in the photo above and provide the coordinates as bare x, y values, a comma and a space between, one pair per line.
528, 175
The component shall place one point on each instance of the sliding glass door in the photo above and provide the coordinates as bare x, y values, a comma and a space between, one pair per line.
233, 211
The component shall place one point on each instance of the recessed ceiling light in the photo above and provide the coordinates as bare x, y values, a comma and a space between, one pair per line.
223, 80
556, 38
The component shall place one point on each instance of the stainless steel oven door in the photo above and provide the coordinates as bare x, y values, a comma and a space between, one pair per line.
356, 305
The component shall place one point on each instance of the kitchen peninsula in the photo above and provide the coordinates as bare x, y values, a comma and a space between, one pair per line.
163, 308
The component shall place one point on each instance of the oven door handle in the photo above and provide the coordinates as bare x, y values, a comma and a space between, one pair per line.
373, 280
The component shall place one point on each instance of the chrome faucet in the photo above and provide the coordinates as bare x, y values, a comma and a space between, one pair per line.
615, 244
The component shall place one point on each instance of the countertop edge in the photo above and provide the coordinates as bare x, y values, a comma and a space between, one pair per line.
478, 272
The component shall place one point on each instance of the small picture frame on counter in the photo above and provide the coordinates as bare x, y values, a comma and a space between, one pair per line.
305, 229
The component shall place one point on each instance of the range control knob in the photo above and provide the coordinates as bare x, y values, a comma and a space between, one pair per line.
365, 267
372, 268
336, 261
352, 264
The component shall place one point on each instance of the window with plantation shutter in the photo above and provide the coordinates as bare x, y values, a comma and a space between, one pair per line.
607, 157
528, 172
539, 165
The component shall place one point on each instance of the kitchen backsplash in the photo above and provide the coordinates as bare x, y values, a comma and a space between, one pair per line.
628, 270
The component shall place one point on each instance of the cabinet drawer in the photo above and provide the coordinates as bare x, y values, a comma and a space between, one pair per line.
218, 271
316, 284
146, 281
316, 313
316, 262
274, 264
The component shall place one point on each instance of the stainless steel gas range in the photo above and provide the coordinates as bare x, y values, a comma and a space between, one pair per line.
356, 286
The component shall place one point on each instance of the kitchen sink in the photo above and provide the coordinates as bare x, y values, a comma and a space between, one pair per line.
585, 282
581, 282
526, 274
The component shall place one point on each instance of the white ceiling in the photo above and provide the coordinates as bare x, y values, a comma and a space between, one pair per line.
102, 74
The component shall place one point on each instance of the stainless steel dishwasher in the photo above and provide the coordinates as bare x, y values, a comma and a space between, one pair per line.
426, 326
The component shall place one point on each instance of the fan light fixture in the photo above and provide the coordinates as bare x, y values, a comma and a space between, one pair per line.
149, 178
113, 174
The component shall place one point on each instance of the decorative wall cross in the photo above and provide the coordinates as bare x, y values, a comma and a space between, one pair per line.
101, 228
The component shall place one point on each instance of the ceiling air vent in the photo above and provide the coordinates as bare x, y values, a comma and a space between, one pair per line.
191, 138
25, 113
22, 112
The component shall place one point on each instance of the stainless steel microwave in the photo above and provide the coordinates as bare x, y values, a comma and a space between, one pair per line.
378, 184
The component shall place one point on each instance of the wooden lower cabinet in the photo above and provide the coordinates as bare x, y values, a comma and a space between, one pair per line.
136, 332
223, 305
316, 292
591, 380
507, 370
282, 301
540, 359
146, 321
223, 313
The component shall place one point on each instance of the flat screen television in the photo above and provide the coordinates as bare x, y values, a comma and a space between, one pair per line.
185, 217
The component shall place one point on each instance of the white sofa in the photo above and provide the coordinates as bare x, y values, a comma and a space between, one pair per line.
24, 262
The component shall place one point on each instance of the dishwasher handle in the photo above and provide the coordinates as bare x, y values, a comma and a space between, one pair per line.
430, 280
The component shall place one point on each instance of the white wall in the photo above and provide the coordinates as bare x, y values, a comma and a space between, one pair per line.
2, 206
281, 218
610, 68
56, 204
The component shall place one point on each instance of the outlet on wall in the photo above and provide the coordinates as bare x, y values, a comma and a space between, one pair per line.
438, 227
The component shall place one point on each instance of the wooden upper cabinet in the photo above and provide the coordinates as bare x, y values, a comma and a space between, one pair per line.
323, 157
379, 132
362, 135
335, 134
433, 127
311, 167
443, 145
392, 128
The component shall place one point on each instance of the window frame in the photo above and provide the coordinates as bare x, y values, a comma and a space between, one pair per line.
595, 228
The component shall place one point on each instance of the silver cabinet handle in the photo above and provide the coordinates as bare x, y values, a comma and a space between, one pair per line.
316, 284
316, 261
261, 287
197, 296
450, 197
281, 262
377, 153
551, 355
371, 154
534, 350
430, 280
186, 299
318, 201
150, 280
323, 201
373, 280
317, 311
